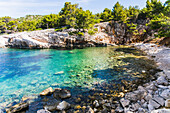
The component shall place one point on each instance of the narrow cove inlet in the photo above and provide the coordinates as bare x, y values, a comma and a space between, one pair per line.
87, 72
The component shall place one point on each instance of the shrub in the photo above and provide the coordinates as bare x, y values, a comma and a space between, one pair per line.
91, 32
80, 34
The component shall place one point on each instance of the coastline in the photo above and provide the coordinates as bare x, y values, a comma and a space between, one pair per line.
152, 95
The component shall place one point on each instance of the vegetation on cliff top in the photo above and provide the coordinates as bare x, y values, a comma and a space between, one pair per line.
71, 15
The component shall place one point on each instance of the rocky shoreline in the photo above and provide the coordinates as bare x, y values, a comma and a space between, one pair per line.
50, 39
151, 97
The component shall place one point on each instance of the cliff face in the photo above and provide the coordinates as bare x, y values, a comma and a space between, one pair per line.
123, 33
109, 33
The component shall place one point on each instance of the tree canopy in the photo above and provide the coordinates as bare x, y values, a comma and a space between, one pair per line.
71, 15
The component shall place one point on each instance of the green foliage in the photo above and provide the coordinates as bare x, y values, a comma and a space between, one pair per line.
68, 14
73, 16
106, 15
132, 28
80, 34
2, 26
12, 25
161, 23
76, 33
29, 25
119, 13
50, 21
84, 19
61, 29
92, 31
133, 12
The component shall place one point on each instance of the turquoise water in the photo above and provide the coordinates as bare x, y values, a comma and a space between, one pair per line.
28, 72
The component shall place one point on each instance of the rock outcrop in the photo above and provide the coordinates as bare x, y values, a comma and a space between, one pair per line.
109, 33
50, 39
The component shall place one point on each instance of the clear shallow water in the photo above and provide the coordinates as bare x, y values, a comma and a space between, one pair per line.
28, 72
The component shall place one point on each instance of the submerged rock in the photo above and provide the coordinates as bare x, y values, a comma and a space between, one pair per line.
61, 93
50, 104
47, 91
17, 108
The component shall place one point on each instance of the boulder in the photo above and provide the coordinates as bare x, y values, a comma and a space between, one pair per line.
165, 94
141, 110
89, 110
61, 93
153, 103
50, 103
159, 100
162, 80
63, 106
148, 97
150, 107
151, 87
119, 109
47, 91
43, 111
124, 102
65, 94
135, 106
136, 95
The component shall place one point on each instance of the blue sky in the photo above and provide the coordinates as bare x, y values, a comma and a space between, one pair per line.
18, 8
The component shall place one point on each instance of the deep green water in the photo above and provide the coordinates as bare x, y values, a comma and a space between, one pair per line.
28, 72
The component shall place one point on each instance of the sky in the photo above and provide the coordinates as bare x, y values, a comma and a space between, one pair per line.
20, 8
